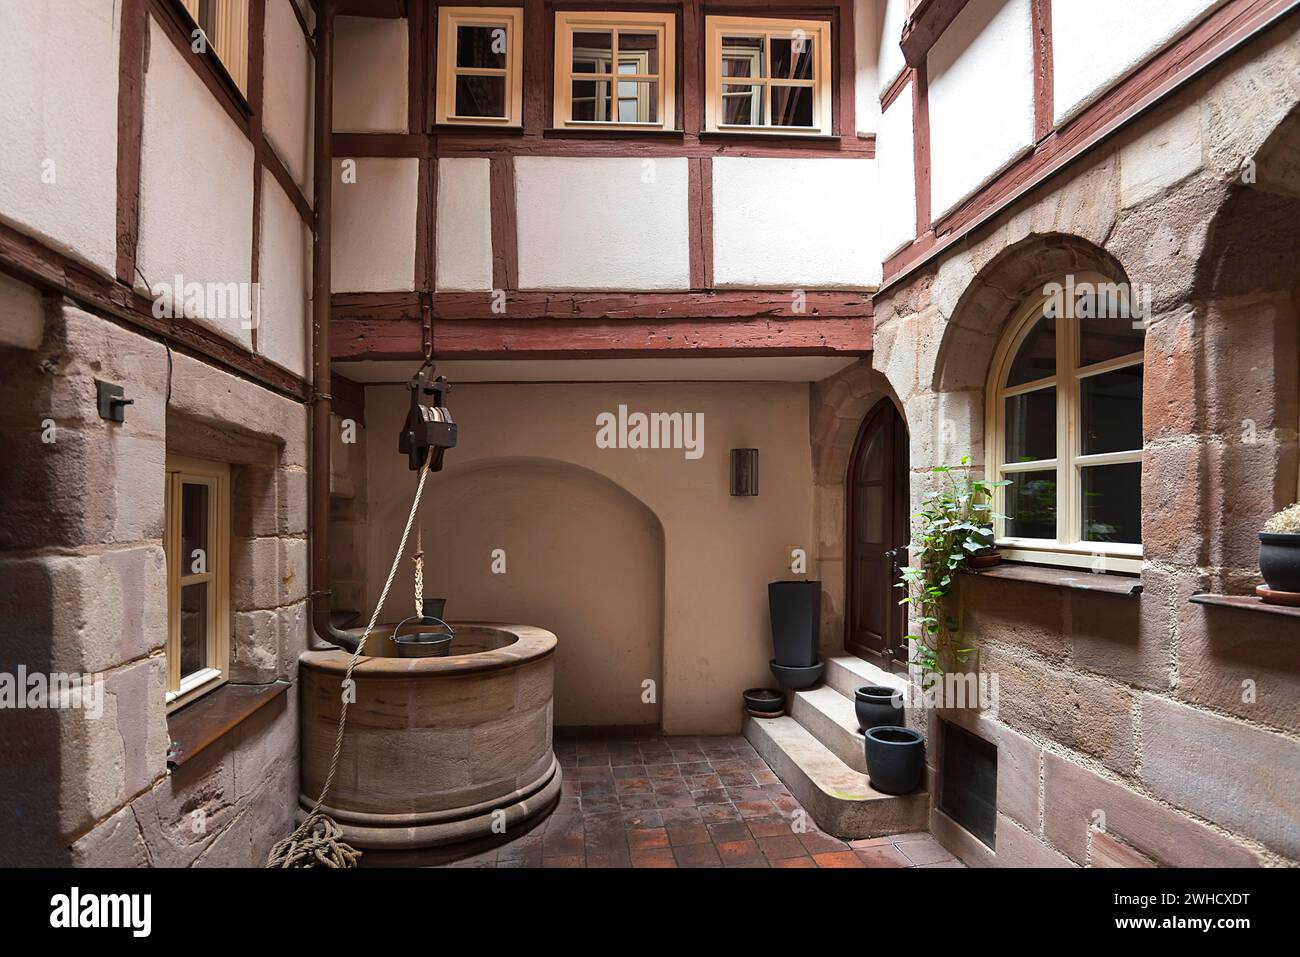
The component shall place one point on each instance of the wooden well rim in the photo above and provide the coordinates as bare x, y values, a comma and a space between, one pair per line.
525, 643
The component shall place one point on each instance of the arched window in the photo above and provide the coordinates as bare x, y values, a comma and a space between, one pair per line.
1065, 426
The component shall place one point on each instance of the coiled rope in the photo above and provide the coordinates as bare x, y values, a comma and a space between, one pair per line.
315, 842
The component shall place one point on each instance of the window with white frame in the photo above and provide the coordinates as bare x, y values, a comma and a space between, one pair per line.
480, 66
1065, 427
614, 69
768, 75
197, 545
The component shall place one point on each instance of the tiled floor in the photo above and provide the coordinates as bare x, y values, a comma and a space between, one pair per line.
688, 802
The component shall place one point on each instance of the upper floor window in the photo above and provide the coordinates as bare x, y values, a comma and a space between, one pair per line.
768, 75
480, 65
225, 26
197, 543
614, 69
1065, 427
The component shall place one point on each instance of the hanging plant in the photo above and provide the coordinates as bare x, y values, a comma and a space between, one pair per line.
954, 523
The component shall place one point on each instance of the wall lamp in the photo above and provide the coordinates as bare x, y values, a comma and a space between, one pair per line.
744, 471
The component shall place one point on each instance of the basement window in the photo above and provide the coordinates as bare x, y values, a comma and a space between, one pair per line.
768, 76
480, 66
614, 70
968, 788
197, 543
225, 28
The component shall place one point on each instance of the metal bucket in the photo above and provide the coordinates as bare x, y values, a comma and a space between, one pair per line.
424, 644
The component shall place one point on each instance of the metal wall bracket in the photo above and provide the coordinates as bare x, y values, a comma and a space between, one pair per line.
112, 401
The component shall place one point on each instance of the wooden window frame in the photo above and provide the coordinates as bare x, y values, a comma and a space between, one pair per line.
568, 22
822, 82
1068, 548
216, 476
510, 18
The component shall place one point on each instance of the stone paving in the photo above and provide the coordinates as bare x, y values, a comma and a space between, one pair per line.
687, 802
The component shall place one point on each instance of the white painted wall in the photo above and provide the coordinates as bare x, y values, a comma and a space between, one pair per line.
866, 50
890, 59
22, 317
602, 223
374, 226
896, 163
284, 281
981, 94
58, 105
464, 224
288, 92
196, 184
1096, 42
370, 74
798, 223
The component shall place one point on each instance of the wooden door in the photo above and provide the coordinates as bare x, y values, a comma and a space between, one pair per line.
878, 534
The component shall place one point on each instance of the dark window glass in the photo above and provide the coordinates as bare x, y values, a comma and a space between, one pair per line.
638, 53
1112, 503
481, 47
1037, 356
792, 58
590, 100
1102, 338
194, 628
194, 528
792, 106
1111, 411
592, 52
743, 56
1031, 426
481, 96
742, 105
1031, 504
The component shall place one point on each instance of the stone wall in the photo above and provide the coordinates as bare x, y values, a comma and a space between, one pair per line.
83, 590
1145, 729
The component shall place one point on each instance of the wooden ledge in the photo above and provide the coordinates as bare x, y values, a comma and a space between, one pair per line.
1245, 603
1071, 578
211, 717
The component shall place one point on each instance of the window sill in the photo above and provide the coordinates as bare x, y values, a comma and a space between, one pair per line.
205, 721
779, 136
1063, 578
1245, 603
610, 132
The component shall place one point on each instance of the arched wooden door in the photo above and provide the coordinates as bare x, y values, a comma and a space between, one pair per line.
878, 534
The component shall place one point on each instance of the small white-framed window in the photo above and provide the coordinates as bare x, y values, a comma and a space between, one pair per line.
197, 544
615, 70
1065, 427
767, 75
480, 66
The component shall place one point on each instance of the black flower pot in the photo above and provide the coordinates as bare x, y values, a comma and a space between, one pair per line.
795, 610
895, 759
797, 678
876, 706
1279, 560
764, 702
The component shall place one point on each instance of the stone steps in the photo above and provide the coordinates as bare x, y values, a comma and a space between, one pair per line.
839, 798
846, 673
830, 718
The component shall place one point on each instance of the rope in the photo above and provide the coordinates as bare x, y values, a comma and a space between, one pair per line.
315, 842
419, 570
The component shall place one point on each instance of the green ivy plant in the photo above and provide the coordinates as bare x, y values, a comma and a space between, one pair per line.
954, 523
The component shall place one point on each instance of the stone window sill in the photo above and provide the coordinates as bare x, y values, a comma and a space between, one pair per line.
205, 721
1245, 603
1072, 578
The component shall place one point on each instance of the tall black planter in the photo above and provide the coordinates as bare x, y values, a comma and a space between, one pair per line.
795, 611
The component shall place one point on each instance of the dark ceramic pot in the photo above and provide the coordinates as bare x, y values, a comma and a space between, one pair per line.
795, 611
1279, 560
876, 705
764, 702
895, 759
797, 678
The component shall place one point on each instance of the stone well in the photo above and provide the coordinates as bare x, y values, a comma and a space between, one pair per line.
437, 750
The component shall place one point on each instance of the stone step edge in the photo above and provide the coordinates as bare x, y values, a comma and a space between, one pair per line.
813, 710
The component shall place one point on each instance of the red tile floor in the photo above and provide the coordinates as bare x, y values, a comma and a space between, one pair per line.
687, 802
